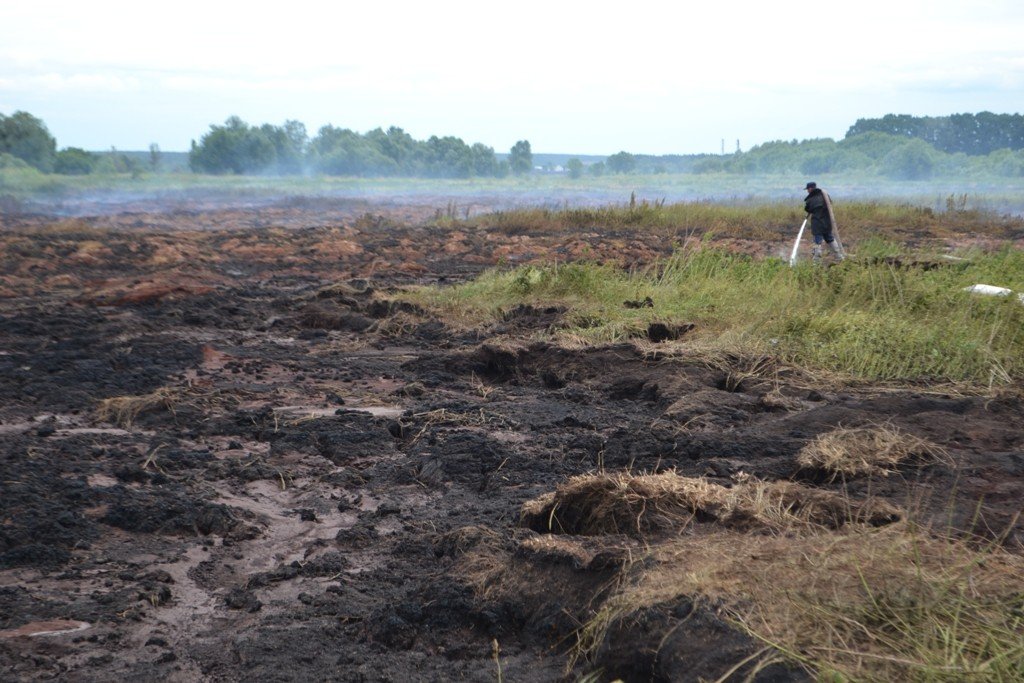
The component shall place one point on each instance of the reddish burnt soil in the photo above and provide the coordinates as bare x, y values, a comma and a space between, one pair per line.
296, 500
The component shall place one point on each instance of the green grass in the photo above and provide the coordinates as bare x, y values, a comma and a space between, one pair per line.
893, 604
755, 220
864, 318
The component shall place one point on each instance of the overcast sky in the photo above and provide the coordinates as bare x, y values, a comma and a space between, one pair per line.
575, 77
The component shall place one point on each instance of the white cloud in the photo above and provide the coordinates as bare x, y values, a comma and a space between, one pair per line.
471, 66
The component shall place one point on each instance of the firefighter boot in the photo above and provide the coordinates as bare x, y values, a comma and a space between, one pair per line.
837, 251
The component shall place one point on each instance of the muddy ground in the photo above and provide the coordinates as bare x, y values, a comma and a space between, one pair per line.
313, 457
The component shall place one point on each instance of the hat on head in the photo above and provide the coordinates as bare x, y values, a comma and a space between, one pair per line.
811, 185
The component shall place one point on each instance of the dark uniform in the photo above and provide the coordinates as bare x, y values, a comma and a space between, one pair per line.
817, 205
821, 223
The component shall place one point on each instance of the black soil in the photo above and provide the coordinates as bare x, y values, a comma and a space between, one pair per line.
295, 504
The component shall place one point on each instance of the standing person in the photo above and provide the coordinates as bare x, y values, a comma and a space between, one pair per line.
819, 205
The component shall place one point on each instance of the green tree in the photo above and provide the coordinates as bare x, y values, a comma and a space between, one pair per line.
341, 151
235, 147
873, 144
622, 162
154, 157
520, 158
398, 146
575, 168
483, 159
74, 161
447, 157
27, 138
289, 141
597, 170
913, 161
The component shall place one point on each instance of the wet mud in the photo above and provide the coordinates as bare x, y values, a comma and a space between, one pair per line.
305, 464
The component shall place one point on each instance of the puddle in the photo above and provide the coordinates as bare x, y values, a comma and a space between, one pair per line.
304, 411
380, 411
36, 629
93, 430
101, 481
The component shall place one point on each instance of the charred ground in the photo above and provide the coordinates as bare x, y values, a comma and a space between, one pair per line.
232, 449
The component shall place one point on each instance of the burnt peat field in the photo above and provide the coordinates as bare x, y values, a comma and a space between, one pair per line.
325, 440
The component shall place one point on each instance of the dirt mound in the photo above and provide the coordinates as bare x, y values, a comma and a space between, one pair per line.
639, 505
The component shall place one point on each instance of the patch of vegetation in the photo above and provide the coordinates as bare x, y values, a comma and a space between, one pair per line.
866, 451
896, 603
867, 318
594, 504
859, 220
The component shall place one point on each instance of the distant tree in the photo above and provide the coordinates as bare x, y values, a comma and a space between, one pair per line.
520, 158
27, 138
154, 157
483, 160
873, 144
1006, 162
622, 162
597, 169
447, 157
975, 134
575, 168
13, 162
234, 147
341, 151
74, 161
289, 141
913, 161
117, 162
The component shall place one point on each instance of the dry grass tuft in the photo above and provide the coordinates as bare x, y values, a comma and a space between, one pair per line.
867, 450
124, 410
460, 541
637, 505
897, 603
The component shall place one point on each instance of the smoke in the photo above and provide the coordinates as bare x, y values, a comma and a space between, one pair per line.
482, 195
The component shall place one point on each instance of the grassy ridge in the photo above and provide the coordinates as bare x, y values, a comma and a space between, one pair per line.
867, 319
896, 604
760, 221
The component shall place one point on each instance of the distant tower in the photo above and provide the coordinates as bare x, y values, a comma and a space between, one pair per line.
723, 147
737, 145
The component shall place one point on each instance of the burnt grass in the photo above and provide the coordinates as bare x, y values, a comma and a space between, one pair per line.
295, 508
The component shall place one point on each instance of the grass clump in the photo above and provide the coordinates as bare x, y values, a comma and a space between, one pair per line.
638, 505
891, 604
864, 319
125, 410
866, 450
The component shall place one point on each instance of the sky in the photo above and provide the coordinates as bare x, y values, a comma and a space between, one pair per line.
570, 77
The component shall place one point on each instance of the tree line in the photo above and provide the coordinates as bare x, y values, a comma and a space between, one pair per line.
883, 154
237, 147
26, 142
907, 147
973, 134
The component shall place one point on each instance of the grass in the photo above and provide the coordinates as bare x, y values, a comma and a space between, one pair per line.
750, 220
125, 410
896, 603
637, 505
866, 450
866, 319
